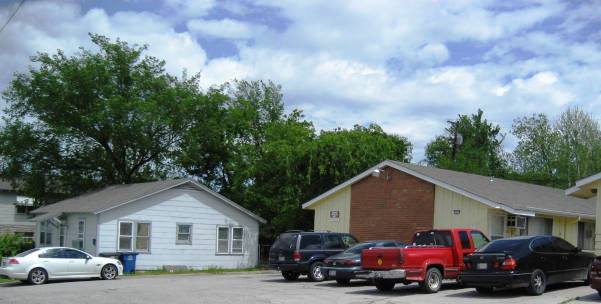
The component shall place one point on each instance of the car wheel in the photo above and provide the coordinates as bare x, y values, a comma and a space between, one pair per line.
538, 283
37, 276
484, 290
109, 272
343, 281
315, 272
384, 285
290, 275
433, 281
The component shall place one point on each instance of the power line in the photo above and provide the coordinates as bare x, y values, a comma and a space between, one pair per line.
11, 16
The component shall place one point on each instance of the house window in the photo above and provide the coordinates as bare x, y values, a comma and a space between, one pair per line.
45, 234
143, 237
223, 241
134, 236
78, 242
237, 239
126, 236
61, 235
540, 226
230, 240
184, 234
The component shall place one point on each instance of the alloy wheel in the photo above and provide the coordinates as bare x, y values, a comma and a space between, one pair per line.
109, 272
38, 276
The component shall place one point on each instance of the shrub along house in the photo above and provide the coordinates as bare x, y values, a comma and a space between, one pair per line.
392, 200
176, 223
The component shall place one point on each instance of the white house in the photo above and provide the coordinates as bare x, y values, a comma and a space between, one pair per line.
175, 222
14, 212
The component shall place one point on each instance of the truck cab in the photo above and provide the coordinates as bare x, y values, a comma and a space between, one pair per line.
432, 256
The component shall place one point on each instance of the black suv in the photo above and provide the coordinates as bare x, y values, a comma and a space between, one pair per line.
298, 252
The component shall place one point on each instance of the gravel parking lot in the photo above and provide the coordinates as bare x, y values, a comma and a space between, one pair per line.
266, 287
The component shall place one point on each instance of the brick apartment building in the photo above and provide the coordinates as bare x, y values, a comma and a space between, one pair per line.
392, 200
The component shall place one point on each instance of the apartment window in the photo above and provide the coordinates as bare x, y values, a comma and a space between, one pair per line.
126, 236
78, 242
230, 240
134, 236
586, 235
184, 234
497, 226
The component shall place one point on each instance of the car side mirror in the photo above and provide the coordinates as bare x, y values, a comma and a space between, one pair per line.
88, 257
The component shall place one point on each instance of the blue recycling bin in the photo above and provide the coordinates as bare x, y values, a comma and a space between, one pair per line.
129, 261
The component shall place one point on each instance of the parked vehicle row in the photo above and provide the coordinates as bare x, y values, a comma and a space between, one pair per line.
39, 265
465, 255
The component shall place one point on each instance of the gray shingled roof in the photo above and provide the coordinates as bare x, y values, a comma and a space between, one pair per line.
517, 195
511, 196
116, 195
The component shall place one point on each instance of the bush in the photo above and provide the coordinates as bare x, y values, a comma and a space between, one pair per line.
11, 244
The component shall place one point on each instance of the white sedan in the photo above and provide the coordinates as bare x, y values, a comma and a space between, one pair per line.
39, 265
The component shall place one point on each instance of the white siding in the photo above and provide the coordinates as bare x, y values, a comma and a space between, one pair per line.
174, 206
10, 220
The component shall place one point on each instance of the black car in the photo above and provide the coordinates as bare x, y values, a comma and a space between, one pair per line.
298, 253
531, 261
342, 267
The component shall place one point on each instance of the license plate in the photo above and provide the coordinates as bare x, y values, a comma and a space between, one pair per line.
332, 273
281, 258
482, 266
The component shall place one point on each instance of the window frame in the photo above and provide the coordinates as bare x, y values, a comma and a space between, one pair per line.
240, 239
135, 238
119, 235
230, 240
177, 233
61, 235
218, 239
80, 236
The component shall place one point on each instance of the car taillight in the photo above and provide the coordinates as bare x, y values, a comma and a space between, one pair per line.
296, 256
349, 262
13, 262
509, 264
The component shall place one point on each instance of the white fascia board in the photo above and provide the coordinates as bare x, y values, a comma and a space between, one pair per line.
562, 213
587, 180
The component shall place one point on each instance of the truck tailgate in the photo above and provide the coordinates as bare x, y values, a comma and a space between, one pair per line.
381, 258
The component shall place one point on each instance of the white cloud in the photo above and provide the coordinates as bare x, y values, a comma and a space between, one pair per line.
225, 28
338, 69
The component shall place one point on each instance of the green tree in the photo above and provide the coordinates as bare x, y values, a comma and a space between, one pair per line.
469, 144
79, 122
556, 154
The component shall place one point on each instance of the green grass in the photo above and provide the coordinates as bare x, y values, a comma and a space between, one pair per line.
211, 270
6, 280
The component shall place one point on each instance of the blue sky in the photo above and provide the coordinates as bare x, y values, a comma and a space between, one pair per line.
406, 65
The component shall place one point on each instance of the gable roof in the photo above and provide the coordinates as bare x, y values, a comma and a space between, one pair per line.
584, 188
117, 195
512, 196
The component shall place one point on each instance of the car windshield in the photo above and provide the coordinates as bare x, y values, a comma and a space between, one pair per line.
359, 247
286, 241
503, 246
26, 253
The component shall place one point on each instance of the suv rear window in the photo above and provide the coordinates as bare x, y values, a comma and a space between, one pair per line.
286, 241
310, 241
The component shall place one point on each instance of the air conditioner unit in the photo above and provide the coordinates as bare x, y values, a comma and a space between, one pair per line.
516, 221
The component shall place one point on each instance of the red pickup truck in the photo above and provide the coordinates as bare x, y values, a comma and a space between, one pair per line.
433, 255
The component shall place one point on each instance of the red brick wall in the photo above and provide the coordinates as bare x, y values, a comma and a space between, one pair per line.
391, 208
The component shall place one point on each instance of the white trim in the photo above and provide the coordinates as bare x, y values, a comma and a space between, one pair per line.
201, 186
423, 177
583, 182
563, 213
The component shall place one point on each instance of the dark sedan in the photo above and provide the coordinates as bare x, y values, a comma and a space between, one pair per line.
531, 261
342, 267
